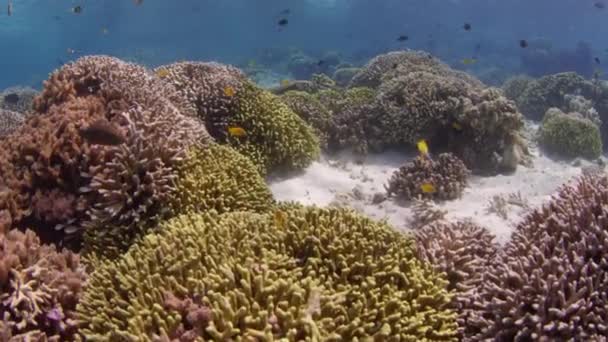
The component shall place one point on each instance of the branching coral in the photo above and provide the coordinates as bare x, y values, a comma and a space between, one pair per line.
274, 137
549, 91
49, 159
424, 212
40, 288
446, 174
300, 273
550, 281
463, 251
311, 110
17, 99
453, 113
9, 121
570, 135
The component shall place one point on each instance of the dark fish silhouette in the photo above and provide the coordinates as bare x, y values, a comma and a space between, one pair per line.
102, 132
11, 98
285, 11
467, 27
77, 9
597, 60
283, 22
320, 62
523, 43
599, 5
402, 38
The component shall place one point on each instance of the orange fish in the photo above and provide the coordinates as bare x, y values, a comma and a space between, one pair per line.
162, 73
237, 131
428, 188
229, 91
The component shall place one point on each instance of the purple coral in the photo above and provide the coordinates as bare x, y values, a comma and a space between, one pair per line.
550, 282
445, 173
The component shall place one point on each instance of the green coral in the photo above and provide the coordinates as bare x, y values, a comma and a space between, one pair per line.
213, 177
219, 178
570, 135
276, 138
311, 110
302, 273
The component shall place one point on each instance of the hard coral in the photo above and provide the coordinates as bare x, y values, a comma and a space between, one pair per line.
40, 289
570, 135
446, 173
222, 97
311, 110
301, 273
550, 282
221, 179
9, 121
463, 251
49, 159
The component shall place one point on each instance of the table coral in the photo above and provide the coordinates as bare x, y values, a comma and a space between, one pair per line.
40, 289
221, 96
302, 273
550, 280
446, 173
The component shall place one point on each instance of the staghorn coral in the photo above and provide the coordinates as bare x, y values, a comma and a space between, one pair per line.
570, 135
276, 138
425, 212
40, 289
50, 160
9, 121
499, 206
446, 173
549, 282
463, 251
17, 99
302, 273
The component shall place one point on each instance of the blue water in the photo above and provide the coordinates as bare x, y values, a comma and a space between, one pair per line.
36, 38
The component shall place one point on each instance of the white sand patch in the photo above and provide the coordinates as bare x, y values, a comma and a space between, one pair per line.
343, 181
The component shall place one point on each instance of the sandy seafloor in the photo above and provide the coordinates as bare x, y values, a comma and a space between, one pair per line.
343, 181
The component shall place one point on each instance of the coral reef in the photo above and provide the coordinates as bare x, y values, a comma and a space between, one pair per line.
50, 159
300, 273
446, 174
9, 121
570, 135
311, 110
549, 91
343, 76
40, 289
17, 99
221, 96
463, 251
549, 282
424, 212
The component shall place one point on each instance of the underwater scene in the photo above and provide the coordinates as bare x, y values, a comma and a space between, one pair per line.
303, 170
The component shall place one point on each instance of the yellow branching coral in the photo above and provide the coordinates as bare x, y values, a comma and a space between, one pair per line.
299, 273
219, 178
273, 136
204, 178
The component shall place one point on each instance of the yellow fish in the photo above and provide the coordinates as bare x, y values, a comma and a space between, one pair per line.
280, 218
229, 91
236, 131
427, 188
468, 61
162, 73
457, 126
423, 147
285, 83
